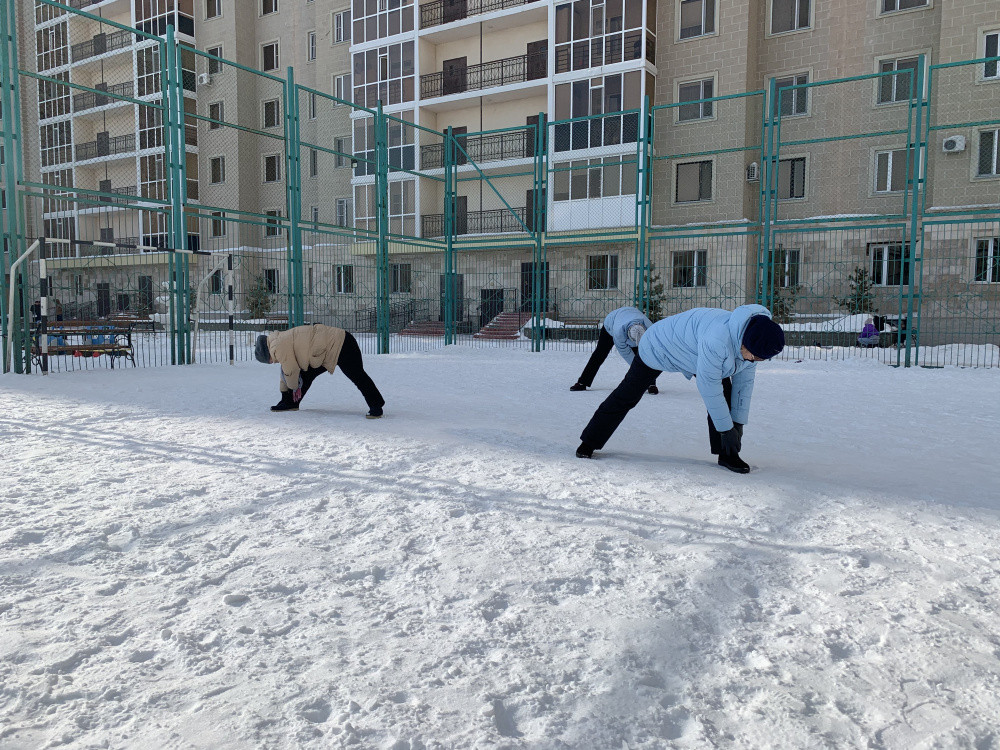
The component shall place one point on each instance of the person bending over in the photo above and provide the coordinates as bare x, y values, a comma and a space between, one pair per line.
622, 329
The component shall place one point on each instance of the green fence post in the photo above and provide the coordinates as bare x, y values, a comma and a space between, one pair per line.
382, 250
539, 209
644, 165
768, 189
449, 237
915, 156
293, 200
170, 154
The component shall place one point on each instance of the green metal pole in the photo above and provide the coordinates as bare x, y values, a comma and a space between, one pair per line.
539, 230
768, 190
643, 151
449, 236
8, 70
914, 159
382, 250
173, 116
293, 188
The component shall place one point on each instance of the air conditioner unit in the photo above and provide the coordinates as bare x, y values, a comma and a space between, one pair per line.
204, 79
753, 172
953, 144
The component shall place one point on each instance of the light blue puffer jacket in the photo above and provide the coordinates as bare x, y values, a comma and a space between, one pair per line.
706, 341
617, 324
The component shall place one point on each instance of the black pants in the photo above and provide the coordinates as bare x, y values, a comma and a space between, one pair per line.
605, 343
351, 364
621, 401
714, 440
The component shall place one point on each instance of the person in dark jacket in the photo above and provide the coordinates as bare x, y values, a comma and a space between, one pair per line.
720, 349
621, 330
305, 353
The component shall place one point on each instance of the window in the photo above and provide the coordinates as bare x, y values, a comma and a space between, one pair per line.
342, 87
215, 282
381, 18
989, 159
214, 66
789, 15
268, 6
272, 113
269, 56
343, 212
313, 162
602, 272
344, 277
213, 8
888, 6
272, 168
792, 178
988, 260
217, 169
311, 46
689, 268
399, 278
314, 214
581, 179
693, 92
216, 114
793, 101
271, 280
218, 224
697, 18
385, 73
342, 159
785, 266
991, 48
890, 171
592, 33
890, 264
342, 27
694, 182
609, 95
312, 106
273, 226
897, 87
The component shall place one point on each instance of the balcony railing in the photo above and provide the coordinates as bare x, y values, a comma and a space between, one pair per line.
445, 11
484, 75
102, 43
90, 99
127, 194
120, 144
494, 221
517, 144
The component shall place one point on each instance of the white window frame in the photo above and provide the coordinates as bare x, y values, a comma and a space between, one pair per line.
222, 169
272, 229
277, 54
699, 269
343, 149
805, 177
594, 283
783, 278
992, 260
214, 67
312, 106
264, 158
310, 46
342, 27
794, 75
342, 87
274, 7
214, 125
712, 78
882, 250
343, 212
263, 113
674, 180
218, 8
984, 36
275, 286
396, 275
314, 214
678, 9
343, 278
218, 221
313, 163
891, 154
976, 175
797, 29
882, 11
894, 102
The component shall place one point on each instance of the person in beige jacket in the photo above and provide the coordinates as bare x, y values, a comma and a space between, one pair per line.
305, 353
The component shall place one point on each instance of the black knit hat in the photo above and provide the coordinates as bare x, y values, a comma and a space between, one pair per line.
763, 338
261, 352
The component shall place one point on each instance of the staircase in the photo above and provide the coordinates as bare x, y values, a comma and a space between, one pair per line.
504, 327
424, 328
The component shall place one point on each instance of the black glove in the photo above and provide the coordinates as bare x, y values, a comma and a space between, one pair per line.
732, 439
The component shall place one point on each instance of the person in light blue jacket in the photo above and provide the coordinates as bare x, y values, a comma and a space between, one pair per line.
622, 330
717, 347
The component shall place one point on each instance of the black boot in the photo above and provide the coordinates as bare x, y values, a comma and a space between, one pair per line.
652, 390
585, 451
287, 403
733, 462
578, 387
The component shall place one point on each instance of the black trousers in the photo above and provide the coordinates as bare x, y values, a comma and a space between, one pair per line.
351, 364
622, 400
605, 343
714, 440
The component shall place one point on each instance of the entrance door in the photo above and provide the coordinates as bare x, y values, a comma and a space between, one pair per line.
538, 59
529, 210
454, 10
454, 75
527, 284
458, 295
462, 143
529, 135
461, 214
103, 300
490, 305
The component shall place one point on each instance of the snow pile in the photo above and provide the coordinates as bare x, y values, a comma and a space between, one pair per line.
183, 568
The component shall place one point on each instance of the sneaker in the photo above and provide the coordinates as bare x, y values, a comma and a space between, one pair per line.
373, 414
652, 390
285, 406
578, 387
585, 451
733, 462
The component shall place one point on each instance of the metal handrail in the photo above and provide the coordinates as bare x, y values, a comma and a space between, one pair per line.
91, 99
517, 144
484, 75
120, 144
492, 221
102, 43
445, 11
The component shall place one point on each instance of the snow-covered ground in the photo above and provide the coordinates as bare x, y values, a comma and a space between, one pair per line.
182, 568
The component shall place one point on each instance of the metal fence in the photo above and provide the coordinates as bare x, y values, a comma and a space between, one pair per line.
200, 201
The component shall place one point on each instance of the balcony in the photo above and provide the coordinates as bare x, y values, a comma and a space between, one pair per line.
102, 43
445, 11
519, 144
128, 194
457, 79
494, 221
90, 100
105, 146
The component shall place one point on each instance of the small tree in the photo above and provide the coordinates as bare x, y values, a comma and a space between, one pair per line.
259, 298
783, 303
860, 298
652, 288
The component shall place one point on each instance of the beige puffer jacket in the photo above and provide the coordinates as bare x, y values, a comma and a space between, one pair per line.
303, 347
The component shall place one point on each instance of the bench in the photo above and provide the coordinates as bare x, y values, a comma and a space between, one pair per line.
276, 321
572, 329
85, 338
135, 322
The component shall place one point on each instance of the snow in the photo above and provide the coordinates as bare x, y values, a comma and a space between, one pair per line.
181, 568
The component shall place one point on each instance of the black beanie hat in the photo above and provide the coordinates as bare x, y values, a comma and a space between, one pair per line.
763, 338
261, 352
